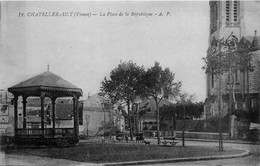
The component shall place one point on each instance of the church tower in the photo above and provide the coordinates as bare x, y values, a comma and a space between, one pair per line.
226, 17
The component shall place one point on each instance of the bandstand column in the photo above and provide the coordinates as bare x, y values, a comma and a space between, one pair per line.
53, 115
42, 112
15, 114
75, 111
24, 111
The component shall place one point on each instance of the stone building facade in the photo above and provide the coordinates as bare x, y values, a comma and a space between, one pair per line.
97, 110
239, 18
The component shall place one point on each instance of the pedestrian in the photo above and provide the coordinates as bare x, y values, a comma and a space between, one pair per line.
174, 134
126, 139
103, 139
114, 139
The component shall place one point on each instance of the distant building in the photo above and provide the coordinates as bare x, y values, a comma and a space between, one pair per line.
6, 111
98, 109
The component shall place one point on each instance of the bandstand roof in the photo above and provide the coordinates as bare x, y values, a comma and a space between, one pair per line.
45, 82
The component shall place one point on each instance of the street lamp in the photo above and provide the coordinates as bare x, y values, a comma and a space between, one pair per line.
103, 109
219, 100
184, 121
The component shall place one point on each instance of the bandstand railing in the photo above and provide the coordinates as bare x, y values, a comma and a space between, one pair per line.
48, 133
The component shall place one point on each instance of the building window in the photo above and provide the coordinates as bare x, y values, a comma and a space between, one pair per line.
235, 12
236, 75
254, 103
228, 4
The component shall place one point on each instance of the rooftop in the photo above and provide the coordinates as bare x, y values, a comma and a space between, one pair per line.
46, 81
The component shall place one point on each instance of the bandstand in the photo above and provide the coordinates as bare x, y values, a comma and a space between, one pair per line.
45, 85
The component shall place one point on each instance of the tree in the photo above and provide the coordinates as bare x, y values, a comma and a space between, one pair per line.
160, 84
228, 56
124, 84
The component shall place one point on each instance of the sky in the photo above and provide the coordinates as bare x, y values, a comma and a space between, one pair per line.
84, 49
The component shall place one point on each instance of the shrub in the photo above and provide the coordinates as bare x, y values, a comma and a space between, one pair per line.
213, 124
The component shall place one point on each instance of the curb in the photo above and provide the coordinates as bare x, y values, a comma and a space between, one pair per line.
173, 160
224, 141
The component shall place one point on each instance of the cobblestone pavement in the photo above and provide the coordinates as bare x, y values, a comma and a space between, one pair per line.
7, 159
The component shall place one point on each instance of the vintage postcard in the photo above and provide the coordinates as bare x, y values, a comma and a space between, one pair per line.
130, 82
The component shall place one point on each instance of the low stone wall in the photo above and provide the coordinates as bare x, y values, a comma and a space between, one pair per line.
202, 135
191, 135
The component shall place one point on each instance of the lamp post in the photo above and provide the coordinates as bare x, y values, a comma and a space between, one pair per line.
103, 108
219, 108
184, 121
219, 99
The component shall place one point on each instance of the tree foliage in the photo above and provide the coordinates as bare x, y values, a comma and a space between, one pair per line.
193, 110
231, 53
160, 83
124, 84
143, 110
167, 111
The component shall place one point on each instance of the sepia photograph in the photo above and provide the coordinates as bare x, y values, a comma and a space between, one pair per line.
130, 82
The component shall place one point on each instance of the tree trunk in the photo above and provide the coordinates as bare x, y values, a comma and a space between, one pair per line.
183, 127
247, 80
129, 120
219, 108
230, 104
173, 125
158, 122
244, 86
220, 116
233, 92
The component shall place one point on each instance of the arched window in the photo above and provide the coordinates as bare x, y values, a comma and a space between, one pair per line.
213, 16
